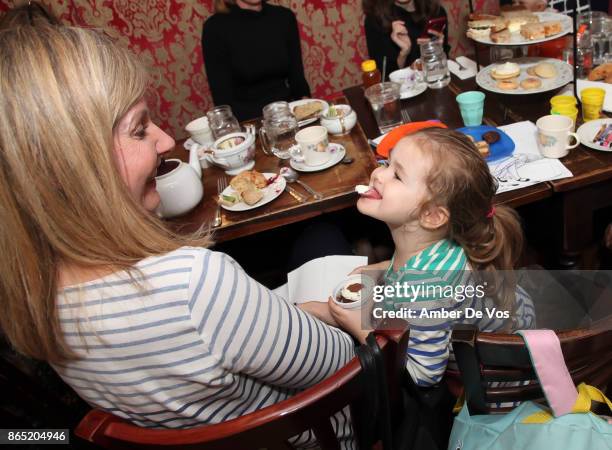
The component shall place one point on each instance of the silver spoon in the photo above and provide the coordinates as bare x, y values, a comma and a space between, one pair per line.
292, 176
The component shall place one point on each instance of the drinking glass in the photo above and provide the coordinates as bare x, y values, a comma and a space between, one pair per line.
222, 121
435, 64
276, 108
278, 133
385, 101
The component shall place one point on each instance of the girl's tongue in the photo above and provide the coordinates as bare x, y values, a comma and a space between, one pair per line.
367, 192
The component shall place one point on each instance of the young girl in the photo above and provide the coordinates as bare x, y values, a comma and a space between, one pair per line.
436, 196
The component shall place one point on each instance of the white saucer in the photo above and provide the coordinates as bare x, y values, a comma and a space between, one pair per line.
417, 89
337, 150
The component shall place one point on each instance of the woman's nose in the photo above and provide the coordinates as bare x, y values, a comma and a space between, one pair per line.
165, 143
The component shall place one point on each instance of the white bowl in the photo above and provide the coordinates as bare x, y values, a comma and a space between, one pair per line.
236, 157
341, 124
366, 293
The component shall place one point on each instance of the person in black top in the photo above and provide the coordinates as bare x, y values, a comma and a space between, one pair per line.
252, 56
393, 29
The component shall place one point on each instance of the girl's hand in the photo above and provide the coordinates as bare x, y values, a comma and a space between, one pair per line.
349, 320
399, 35
320, 310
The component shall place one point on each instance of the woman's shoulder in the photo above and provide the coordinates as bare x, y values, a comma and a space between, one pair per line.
217, 22
280, 11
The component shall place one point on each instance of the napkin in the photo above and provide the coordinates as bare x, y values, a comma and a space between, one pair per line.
526, 166
316, 279
470, 67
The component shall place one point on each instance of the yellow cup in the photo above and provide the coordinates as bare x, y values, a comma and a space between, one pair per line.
563, 100
571, 112
592, 103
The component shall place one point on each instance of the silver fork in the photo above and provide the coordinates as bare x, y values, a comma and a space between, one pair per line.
405, 116
221, 185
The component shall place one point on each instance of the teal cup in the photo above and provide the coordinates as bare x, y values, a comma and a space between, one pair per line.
471, 105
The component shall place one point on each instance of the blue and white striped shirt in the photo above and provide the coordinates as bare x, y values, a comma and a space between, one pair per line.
195, 341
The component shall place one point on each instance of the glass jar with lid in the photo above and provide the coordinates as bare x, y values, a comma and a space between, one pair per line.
222, 121
435, 64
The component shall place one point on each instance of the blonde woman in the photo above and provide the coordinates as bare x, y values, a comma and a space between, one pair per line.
252, 56
145, 324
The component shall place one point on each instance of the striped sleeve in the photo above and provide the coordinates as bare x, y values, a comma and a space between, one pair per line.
252, 331
428, 353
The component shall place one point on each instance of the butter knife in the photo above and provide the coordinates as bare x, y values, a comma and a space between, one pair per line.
294, 194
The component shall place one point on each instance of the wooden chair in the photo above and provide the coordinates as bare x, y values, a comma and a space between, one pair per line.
269, 427
489, 357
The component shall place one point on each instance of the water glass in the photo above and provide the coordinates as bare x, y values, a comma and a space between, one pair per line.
222, 121
385, 101
276, 108
278, 134
435, 64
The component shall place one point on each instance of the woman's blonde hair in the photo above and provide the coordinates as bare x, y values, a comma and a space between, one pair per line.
62, 198
460, 180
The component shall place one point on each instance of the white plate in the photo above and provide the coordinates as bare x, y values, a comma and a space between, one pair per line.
517, 39
270, 193
417, 89
337, 150
292, 105
588, 130
564, 76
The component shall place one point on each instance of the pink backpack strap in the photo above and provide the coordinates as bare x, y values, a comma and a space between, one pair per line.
547, 359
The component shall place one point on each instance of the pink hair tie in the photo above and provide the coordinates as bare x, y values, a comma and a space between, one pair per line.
491, 212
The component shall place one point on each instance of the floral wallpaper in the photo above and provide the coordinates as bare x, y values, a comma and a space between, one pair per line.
166, 34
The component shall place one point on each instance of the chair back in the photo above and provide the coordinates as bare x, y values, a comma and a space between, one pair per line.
488, 360
270, 427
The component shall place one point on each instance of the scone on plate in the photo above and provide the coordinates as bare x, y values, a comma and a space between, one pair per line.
252, 196
241, 181
531, 83
507, 85
505, 71
545, 70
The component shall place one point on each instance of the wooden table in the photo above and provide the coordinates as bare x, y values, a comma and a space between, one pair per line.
440, 104
336, 184
576, 199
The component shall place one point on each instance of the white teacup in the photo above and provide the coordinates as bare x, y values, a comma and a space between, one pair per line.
554, 132
200, 131
313, 143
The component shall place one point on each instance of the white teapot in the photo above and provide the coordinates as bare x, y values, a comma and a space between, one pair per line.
180, 187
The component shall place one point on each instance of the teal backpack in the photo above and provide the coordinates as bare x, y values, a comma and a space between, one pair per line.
567, 423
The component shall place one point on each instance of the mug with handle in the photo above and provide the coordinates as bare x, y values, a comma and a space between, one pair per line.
554, 133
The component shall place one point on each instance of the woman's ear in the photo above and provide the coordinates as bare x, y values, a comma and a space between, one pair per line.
434, 217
